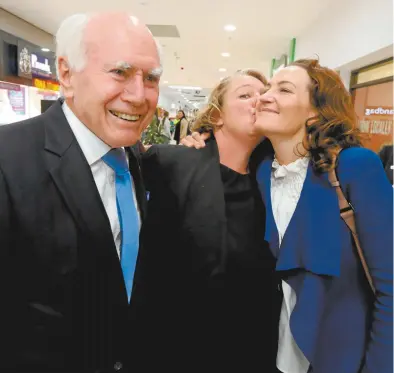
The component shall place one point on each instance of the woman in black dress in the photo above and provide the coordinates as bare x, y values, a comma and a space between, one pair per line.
204, 239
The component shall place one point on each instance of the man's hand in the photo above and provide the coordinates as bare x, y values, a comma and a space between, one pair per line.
195, 140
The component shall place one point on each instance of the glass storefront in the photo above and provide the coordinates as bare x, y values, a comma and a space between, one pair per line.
19, 102
372, 91
28, 82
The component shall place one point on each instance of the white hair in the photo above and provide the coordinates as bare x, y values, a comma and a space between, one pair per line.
70, 40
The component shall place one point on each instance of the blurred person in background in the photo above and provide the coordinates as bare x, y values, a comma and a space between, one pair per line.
71, 210
386, 156
332, 318
181, 126
165, 126
217, 295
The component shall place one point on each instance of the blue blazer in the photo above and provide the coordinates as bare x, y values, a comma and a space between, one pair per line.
337, 322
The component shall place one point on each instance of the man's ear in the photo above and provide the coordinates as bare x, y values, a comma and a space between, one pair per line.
65, 75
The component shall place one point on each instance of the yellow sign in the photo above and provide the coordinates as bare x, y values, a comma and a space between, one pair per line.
45, 84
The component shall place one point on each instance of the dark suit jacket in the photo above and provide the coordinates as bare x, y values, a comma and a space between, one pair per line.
336, 322
207, 316
64, 304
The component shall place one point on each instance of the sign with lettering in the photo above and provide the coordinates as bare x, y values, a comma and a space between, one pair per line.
46, 84
40, 66
379, 111
18, 101
16, 97
376, 127
374, 108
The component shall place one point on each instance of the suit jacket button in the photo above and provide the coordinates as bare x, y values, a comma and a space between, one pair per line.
118, 366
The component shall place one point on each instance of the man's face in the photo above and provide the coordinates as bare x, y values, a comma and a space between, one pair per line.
116, 93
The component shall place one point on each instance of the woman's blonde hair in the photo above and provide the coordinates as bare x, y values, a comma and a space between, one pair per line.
206, 120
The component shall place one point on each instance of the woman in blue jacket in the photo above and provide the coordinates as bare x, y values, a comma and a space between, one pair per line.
331, 321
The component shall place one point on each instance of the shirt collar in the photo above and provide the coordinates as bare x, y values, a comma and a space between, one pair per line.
92, 147
297, 167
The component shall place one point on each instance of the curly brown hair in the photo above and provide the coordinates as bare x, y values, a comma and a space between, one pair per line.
206, 120
335, 126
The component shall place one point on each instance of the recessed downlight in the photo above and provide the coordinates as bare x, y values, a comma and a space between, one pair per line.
230, 28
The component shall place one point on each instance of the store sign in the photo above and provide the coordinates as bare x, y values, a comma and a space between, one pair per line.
16, 97
46, 84
24, 60
376, 127
18, 101
40, 66
379, 111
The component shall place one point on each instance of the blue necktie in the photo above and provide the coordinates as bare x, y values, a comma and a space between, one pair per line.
128, 215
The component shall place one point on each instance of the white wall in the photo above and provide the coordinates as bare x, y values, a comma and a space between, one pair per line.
24, 30
349, 31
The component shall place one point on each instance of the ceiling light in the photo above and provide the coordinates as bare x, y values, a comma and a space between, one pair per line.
172, 106
225, 54
180, 87
222, 69
45, 49
230, 28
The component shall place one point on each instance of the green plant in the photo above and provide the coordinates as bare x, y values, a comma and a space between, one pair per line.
153, 133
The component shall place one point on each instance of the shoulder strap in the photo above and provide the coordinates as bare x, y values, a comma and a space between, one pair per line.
347, 214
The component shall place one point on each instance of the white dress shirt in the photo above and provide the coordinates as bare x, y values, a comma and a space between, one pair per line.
286, 185
94, 149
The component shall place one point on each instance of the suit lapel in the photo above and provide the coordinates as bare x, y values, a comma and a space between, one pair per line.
135, 170
312, 240
74, 180
312, 237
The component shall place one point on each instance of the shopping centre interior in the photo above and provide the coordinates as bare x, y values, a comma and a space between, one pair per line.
204, 41
196, 186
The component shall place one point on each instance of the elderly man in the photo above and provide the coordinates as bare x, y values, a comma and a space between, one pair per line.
72, 202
